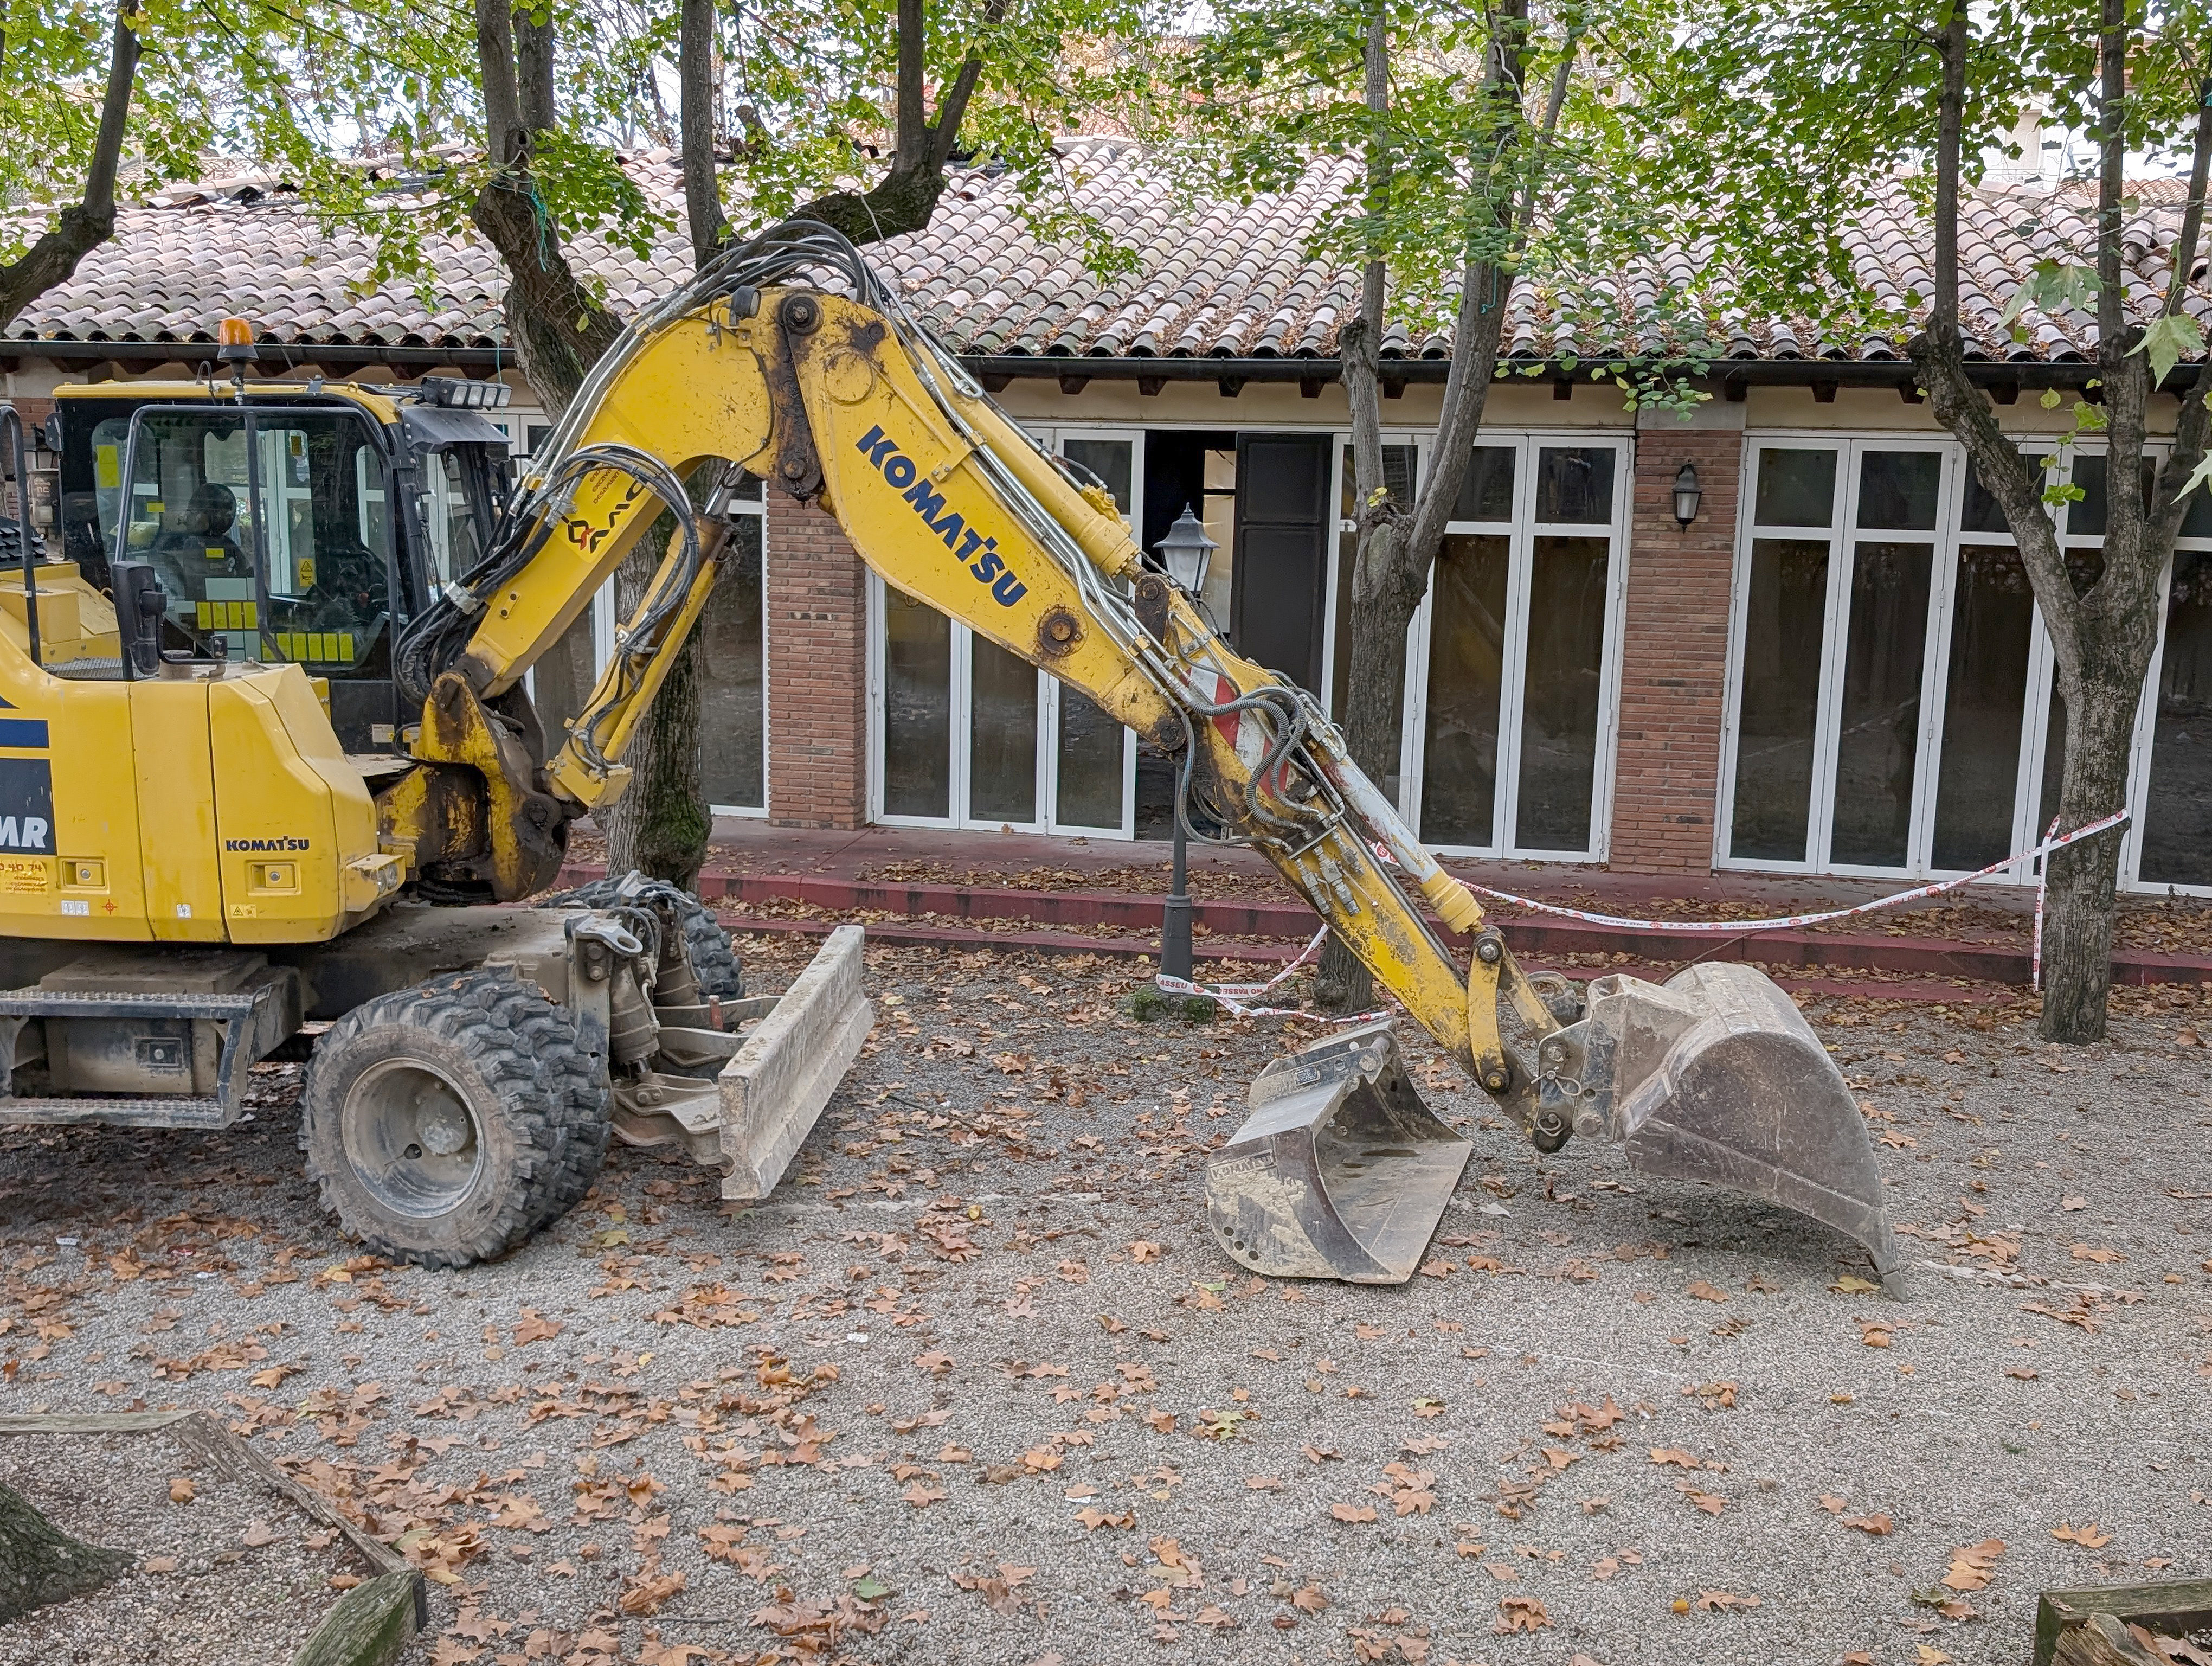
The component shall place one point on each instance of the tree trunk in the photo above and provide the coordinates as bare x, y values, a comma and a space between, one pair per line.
2081, 879
661, 825
1386, 593
2102, 636
39, 1564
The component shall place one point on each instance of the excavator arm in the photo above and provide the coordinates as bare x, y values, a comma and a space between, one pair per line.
839, 397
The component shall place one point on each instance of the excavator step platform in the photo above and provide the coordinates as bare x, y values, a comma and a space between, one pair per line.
1340, 1171
152, 1056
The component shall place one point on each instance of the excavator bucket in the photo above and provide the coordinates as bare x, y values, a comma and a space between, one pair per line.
1715, 1076
1339, 1171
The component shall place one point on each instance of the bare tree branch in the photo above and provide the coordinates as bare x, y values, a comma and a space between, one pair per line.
703, 196
86, 224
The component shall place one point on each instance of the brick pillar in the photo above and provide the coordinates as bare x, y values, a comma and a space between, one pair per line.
818, 660
1674, 648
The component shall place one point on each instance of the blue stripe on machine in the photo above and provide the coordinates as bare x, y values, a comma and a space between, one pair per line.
26, 731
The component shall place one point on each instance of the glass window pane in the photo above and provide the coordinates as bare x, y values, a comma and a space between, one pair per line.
1559, 700
312, 551
1783, 621
2177, 845
1980, 512
2197, 519
1002, 735
731, 709
1487, 493
1090, 762
917, 708
1795, 487
1112, 461
1574, 484
1467, 651
328, 575
455, 544
1898, 489
1878, 738
1985, 689
1397, 475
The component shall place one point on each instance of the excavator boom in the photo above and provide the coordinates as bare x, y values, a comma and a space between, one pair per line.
829, 393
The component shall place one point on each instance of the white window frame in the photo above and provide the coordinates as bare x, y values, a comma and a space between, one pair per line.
1842, 534
1521, 532
1049, 695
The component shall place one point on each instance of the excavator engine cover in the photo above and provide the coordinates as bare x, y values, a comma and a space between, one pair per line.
1339, 1171
1715, 1076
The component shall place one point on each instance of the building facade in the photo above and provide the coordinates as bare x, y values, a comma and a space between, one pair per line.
1835, 666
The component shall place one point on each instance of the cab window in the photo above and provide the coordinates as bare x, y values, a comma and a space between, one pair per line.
450, 513
270, 534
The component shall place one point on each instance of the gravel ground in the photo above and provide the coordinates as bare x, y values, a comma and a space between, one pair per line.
976, 1385
229, 1573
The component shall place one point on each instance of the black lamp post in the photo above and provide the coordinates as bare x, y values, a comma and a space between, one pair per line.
1185, 552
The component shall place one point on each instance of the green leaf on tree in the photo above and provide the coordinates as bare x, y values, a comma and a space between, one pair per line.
2173, 338
2052, 285
2201, 477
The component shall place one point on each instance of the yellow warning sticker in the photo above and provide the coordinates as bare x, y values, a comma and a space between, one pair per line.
107, 466
21, 876
228, 616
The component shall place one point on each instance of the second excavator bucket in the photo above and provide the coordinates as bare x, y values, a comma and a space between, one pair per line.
1715, 1076
1340, 1172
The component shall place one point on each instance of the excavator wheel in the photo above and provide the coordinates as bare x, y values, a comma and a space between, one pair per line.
445, 1122
714, 963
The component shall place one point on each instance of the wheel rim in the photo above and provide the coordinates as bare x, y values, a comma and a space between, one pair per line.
414, 1141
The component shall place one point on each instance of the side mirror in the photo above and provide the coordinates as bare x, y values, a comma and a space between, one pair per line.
140, 602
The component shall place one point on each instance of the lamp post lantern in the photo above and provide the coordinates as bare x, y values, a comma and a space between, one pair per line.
1686, 495
1186, 551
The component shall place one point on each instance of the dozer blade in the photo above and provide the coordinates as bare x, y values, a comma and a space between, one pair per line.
1717, 1077
1340, 1172
776, 1085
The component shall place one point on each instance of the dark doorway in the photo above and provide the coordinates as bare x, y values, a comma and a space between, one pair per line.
1174, 477
1177, 476
1264, 496
1282, 552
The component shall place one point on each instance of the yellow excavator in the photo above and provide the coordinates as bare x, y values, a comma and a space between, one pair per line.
269, 759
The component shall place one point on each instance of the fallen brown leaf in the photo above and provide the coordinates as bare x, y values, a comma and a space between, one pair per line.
1521, 1614
1972, 1566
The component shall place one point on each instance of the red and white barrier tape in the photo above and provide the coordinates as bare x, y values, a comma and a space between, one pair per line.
1233, 998
1782, 922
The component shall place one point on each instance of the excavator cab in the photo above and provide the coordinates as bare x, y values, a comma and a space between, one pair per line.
283, 527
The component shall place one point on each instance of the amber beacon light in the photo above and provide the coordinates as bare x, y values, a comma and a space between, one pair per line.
233, 340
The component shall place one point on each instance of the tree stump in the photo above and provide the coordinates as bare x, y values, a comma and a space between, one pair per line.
39, 1564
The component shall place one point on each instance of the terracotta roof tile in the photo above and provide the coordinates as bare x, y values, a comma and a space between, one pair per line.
1216, 278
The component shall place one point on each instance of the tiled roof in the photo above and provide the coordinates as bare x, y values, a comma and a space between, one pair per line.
1220, 279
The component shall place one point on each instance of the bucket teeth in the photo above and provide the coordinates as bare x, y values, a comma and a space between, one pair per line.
1339, 1171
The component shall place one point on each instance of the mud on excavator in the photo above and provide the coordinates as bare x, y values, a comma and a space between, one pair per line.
294, 773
